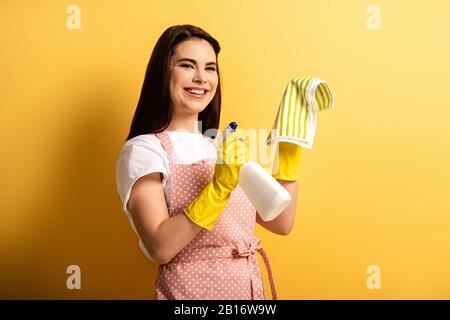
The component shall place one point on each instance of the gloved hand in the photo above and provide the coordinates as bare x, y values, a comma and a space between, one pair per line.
289, 156
206, 208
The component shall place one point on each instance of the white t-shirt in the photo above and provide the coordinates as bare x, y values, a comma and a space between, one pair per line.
145, 154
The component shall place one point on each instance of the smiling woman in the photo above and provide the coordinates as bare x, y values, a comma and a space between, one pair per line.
181, 52
187, 209
193, 82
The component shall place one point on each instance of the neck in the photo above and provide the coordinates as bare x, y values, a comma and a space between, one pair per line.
185, 123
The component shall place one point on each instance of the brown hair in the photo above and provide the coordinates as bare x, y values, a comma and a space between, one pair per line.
152, 112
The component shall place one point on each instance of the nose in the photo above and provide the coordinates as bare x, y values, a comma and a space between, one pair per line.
199, 77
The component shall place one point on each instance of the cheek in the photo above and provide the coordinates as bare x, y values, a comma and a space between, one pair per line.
214, 83
178, 79
176, 88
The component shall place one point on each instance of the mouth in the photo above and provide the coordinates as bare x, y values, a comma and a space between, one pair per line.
196, 93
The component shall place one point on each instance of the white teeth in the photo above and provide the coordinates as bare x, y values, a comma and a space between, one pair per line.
196, 91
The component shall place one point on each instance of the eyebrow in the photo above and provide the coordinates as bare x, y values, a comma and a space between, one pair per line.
195, 62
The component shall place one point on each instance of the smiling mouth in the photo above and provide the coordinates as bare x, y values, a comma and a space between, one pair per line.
196, 93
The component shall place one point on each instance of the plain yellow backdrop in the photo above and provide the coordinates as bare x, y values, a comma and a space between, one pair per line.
374, 189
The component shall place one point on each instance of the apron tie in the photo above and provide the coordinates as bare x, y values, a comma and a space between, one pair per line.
269, 272
250, 250
235, 251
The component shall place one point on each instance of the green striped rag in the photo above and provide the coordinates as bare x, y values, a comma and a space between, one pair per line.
296, 120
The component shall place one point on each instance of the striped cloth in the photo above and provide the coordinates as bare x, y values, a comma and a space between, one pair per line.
296, 120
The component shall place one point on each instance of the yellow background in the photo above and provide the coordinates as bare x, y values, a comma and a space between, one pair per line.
374, 189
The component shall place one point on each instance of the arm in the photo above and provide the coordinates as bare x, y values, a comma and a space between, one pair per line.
162, 236
284, 223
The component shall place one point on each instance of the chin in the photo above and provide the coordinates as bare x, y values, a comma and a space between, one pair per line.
197, 108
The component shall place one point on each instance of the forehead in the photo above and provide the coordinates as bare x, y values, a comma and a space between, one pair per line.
198, 49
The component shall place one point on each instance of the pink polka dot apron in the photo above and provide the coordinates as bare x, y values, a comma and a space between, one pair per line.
218, 264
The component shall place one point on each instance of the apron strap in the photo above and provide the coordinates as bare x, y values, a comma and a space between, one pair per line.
169, 148
269, 272
163, 136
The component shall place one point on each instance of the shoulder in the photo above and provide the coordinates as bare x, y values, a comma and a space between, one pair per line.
139, 156
142, 152
144, 144
145, 141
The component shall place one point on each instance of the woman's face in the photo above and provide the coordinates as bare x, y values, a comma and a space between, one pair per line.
199, 71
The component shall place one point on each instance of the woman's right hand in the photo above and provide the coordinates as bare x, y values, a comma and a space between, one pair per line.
207, 207
231, 155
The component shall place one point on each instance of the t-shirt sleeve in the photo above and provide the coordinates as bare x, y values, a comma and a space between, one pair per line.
136, 159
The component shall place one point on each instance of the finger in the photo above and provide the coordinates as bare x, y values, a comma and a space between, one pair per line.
240, 143
238, 155
232, 136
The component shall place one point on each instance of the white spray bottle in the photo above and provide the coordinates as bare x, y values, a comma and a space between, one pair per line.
265, 193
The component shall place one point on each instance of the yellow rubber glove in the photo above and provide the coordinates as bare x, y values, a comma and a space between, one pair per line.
289, 156
206, 208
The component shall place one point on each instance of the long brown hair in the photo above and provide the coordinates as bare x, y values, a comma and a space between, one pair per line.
153, 113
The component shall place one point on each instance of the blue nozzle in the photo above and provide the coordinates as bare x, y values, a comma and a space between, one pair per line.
226, 132
233, 125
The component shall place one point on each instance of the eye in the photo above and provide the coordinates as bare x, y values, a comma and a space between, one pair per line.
190, 65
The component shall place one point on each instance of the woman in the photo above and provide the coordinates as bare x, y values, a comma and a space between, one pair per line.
185, 205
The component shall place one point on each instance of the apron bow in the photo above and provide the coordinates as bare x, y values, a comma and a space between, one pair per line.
245, 251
